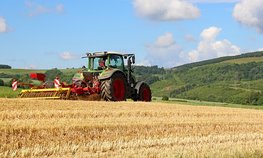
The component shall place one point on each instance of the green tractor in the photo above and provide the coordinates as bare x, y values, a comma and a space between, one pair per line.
117, 83
106, 77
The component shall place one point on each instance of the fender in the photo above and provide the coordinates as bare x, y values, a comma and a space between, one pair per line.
106, 74
138, 86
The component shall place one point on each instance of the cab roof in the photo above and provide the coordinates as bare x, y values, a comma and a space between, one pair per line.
105, 53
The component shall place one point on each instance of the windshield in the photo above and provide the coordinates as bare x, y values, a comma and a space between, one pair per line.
116, 61
103, 62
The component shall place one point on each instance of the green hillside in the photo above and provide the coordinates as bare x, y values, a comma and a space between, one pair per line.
236, 79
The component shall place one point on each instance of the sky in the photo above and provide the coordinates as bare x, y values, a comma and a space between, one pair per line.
43, 34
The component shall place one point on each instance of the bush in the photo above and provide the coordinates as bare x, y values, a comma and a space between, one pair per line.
165, 98
260, 101
1, 82
211, 97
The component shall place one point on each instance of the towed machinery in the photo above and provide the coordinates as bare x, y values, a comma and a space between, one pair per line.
106, 78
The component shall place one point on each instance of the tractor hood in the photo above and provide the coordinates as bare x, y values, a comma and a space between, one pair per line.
105, 74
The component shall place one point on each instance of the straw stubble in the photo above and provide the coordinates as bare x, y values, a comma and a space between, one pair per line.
37, 128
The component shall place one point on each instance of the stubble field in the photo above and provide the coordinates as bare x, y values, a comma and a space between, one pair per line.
58, 128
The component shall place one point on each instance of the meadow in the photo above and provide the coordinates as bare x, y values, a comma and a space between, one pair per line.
21, 71
60, 128
7, 92
244, 60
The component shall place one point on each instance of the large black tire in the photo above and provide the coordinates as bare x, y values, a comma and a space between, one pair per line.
114, 88
144, 93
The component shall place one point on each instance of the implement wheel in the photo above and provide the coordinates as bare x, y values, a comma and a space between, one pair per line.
114, 88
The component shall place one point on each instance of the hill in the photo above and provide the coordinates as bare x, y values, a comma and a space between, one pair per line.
235, 79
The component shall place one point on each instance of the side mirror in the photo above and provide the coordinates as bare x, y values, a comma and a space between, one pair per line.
133, 59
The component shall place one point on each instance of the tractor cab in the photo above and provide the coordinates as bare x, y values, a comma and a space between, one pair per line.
105, 64
100, 61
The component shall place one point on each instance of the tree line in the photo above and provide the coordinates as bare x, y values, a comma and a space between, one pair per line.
5, 66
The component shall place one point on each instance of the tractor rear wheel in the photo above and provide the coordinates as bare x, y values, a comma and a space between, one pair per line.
145, 93
114, 88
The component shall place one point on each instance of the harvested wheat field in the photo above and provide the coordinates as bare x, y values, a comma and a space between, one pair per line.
38, 128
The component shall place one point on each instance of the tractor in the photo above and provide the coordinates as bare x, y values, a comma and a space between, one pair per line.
106, 76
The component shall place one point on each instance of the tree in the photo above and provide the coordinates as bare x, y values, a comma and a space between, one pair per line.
151, 79
5, 66
51, 74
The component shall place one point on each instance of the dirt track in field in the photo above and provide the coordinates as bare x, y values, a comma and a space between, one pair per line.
107, 129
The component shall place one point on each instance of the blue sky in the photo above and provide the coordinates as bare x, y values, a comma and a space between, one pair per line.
42, 34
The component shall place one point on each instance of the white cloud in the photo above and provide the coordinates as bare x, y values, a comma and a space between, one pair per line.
250, 13
67, 56
166, 10
209, 47
165, 40
167, 53
164, 52
38, 9
210, 33
3, 25
213, 1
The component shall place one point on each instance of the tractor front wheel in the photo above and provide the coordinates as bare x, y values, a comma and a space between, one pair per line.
143, 93
114, 88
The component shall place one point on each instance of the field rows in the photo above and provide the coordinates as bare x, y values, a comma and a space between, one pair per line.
38, 128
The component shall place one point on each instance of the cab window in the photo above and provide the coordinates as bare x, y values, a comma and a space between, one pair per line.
99, 63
